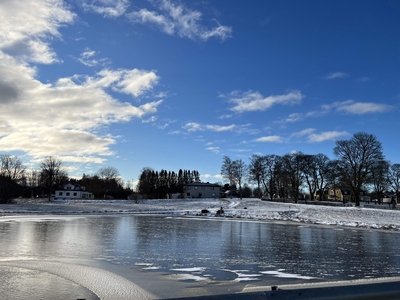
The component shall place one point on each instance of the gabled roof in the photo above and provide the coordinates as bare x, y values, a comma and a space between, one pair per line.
202, 184
76, 187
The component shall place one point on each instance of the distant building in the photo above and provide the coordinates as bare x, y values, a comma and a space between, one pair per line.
72, 191
345, 195
201, 190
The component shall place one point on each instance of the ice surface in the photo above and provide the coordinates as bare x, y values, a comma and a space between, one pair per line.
286, 275
198, 269
104, 284
246, 209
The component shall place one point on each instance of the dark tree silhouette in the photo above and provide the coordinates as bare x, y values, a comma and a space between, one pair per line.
52, 173
356, 158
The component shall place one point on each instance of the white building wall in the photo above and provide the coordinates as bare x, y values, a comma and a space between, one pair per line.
202, 191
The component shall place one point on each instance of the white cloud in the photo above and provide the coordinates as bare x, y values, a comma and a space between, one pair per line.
27, 28
219, 128
240, 150
176, 19
209, 176
226, 116
63, 119
214, 149
270, 139
134, 82
87, 58
348, 107
336, 75
194, 126
364, 79
107, 8
361, 108
293, 118
150, 120
326, 136
303, 132
254, 101
312, 137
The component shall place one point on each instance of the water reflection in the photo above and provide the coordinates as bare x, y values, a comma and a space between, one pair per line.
224, 249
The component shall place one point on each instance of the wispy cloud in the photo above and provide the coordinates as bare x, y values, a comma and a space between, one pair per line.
194, 126
347, 107
270, 139
336, 75
226, 116
87, 58
357, 108
107, 8
177, 19
214, 149
240, 150
254, 101
311, 136
364, 79
152, 119
326, 136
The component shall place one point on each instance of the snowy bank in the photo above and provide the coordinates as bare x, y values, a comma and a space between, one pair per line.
250, 209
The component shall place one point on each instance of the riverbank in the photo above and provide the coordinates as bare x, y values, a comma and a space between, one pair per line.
250, 209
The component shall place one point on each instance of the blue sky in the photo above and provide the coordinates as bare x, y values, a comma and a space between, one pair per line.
179, 84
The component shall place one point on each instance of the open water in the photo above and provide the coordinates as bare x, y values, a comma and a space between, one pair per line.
145, 256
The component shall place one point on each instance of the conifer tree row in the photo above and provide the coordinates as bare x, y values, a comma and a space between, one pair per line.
157, 184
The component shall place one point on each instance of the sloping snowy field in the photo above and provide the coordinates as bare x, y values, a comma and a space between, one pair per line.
233, 208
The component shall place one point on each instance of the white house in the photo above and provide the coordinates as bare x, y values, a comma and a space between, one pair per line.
201, 190
73, 191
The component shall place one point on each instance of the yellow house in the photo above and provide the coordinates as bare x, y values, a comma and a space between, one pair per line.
345, 195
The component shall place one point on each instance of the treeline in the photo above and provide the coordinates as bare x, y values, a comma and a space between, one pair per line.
17, 181
359, 165
154, 185
106, 183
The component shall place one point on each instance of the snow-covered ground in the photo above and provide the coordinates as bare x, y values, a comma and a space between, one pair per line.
254, 209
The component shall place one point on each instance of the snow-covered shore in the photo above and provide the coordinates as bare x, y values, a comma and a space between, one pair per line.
251, 209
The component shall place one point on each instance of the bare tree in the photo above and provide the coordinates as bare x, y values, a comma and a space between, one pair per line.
11, 173
109, 176
269, 174
239, 169
32, 178
227, 170
293, 168
356, 158
394, 179
52, 173
316, 172
379, 178
255, 171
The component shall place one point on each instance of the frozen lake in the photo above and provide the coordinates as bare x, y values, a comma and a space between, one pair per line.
91, 257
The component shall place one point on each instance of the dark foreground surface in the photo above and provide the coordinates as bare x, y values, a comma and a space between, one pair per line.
382, 290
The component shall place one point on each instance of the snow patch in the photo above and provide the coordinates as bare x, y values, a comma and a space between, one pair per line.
286, 275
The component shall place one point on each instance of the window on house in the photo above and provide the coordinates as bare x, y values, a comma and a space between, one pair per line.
67, 194
196, 187
60, 194
187, 194
75, 194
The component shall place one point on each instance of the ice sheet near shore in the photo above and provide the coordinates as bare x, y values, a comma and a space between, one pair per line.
245, 209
